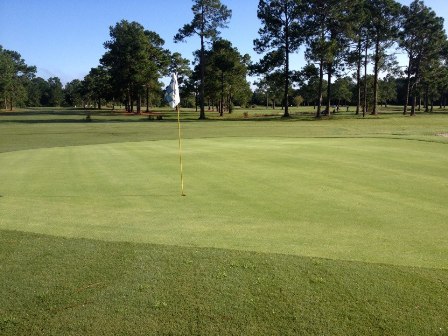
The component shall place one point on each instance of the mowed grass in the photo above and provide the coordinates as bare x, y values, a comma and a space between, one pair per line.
288, 227
60, 286
376, 200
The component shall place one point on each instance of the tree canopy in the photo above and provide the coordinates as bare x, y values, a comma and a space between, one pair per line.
279, 36
15, 75
423, 38
208, 17
135, 57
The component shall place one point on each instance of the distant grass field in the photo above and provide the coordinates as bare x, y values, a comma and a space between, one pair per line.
296, 226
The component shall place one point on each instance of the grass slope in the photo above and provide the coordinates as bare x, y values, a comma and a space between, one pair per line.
57, 286
289, 227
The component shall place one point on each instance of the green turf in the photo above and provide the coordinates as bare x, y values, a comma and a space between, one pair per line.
57, 286
269, 196
377, 200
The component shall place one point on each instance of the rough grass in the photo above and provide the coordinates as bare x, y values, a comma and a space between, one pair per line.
289, 227
57, 286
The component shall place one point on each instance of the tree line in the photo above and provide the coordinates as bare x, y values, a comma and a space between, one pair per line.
350, 49
346, 36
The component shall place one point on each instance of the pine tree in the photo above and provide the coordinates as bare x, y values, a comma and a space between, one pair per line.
280, 35
423, 38
208, 17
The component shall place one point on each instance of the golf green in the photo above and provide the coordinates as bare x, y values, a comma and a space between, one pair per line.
366, 199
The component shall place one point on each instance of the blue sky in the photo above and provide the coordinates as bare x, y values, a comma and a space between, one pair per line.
65, 38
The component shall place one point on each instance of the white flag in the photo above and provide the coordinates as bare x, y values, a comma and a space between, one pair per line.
172, 92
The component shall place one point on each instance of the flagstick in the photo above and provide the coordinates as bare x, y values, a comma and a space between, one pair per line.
180, 153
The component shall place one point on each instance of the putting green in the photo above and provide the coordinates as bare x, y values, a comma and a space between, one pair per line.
375, 200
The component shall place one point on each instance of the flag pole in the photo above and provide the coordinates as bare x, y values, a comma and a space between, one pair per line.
180, 153
173, 98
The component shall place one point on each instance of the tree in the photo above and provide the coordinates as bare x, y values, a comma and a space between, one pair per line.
56, 95
422, 37
158, 66
134, 59
367, 83
359, 20
38, 92
433, 81
280, 35
208, 17
442, 85
181, 66
298, 100
328, 28
97, 85
268, 89
342, 90
272, 85
308, 80
230, 70
387, 90
383, 30
15, 75
73, 93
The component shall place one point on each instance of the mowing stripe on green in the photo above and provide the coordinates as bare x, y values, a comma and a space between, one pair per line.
375, 200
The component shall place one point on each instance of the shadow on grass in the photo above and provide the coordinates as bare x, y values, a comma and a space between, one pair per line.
95, 196
77, 116
69, 121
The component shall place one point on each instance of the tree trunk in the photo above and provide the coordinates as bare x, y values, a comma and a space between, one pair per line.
196, 100
139, 103
330, 72
131, 101
364, 110
202, 66
230, 103
413, 102
202, 86
285, 98
358, 76
221, 105
128, 103
408, 88
147, 98
321, 80
375, 77
427, 98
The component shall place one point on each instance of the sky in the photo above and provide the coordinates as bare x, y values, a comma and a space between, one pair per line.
65, 38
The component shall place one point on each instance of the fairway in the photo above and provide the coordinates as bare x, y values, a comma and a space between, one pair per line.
286, 226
